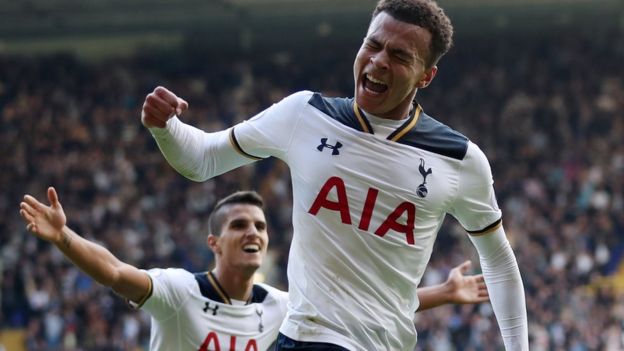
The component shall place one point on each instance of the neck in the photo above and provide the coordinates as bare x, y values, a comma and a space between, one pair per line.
237, 284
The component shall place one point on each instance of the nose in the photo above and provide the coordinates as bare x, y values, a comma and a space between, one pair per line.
379, 60
251, 230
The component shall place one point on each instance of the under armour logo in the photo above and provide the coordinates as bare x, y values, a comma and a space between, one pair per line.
214, 309
334, 148
259, 313
422, 189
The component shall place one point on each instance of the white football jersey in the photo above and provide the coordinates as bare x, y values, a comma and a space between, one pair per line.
191, 312
366, 211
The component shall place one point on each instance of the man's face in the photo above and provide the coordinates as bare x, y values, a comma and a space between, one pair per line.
390, 66
244, 239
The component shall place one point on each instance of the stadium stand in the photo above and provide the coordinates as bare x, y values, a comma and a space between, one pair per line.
547, 110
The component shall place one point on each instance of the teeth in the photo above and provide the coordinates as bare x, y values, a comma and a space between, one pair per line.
375, 80
251, 248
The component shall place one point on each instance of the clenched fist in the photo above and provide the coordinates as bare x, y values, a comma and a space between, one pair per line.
159, 106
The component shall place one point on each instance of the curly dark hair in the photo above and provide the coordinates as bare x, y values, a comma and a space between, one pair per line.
217, 217
426, 14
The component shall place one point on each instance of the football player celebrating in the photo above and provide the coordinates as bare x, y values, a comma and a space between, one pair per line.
373, 178
221, 309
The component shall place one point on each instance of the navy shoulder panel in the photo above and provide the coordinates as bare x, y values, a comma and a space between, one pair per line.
206, 288
433, 136
340, 109
258, 294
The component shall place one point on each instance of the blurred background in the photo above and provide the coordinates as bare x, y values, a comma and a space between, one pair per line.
538, 84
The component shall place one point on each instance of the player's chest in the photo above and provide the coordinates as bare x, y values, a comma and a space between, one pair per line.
327, 155
218, 326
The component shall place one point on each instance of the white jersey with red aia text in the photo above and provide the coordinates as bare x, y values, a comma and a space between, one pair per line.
192, 312
366, 211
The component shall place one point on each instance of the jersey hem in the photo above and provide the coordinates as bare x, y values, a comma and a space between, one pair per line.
323, 337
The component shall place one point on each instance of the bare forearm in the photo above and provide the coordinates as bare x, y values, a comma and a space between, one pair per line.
101, 265
432, 296
95, 260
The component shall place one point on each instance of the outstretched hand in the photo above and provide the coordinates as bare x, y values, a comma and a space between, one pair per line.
466, 288
159, 106
46, 222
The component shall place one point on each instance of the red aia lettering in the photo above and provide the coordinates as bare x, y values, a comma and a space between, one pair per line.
369, 205
342, 206
391, 222
252, 345
212, 336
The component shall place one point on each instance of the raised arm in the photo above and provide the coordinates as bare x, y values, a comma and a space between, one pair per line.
457, 289
192, 152
48, 223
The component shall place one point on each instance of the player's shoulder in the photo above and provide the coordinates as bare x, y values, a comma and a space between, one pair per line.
290, 104
170, 273
475, 157
432, 135
172, 278
300, 97
263, 293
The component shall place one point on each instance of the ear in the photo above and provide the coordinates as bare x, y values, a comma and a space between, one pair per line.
213, 243
427, 77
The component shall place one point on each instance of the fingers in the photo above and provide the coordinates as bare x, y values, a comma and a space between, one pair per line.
27, 216
167, 96
159, 106
34, 205
182, 106
53, 197
179, 105
31, 227
465, 266
162, 108
483, 294
150, 121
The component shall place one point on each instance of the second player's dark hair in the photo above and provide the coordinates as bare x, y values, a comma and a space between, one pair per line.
217, 217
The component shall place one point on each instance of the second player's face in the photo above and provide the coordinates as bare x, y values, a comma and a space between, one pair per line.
243, 241
390, 66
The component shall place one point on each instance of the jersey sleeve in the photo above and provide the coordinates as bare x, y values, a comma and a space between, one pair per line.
475, 206
270, 132
170, 289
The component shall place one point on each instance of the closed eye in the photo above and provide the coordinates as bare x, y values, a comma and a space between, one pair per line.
372, 44
402, 55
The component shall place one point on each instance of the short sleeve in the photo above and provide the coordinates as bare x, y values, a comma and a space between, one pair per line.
170, 289
270, 132
475, 206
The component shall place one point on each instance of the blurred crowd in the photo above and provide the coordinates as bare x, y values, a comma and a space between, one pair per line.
549, 113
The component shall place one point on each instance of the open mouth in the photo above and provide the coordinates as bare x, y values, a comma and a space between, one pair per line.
251, 248
374, 85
